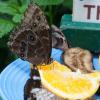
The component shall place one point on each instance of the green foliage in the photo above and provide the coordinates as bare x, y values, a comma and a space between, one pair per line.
16, 8
6, 8
48, 2
15, 11
17, 18
5, 27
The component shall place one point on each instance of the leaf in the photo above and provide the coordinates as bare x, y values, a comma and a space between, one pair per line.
23, 8
7, 9
5, 27
12, 2
48, 2
26, 2
17, 18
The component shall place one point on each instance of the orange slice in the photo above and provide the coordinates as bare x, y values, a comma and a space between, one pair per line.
95, 74
54, 66
69, 85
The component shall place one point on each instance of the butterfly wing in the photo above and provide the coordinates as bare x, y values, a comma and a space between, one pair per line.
32, 39
58, 39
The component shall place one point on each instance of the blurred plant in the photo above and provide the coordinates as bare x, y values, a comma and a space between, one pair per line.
11, 14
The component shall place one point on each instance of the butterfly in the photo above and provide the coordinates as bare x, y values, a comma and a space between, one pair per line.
73, 57
32, 41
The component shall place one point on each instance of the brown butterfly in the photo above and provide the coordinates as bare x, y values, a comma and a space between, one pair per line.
32, 41
75, 58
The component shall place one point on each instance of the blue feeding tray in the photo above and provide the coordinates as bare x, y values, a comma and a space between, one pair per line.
15, 75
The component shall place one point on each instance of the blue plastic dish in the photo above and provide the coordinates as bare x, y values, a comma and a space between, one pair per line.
15, 75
